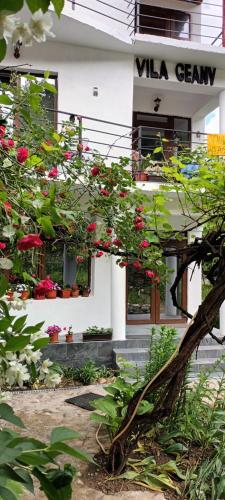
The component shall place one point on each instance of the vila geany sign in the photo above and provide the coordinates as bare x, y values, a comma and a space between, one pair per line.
189, 73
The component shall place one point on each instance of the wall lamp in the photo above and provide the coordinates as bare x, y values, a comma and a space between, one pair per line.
157, 102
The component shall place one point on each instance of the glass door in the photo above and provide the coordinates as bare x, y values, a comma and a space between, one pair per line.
140, 298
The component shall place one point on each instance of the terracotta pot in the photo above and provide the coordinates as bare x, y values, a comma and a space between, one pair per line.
9, 296
69, 338
141, 176
75, 293
51, 294
75, 287
86, 293
65, 294
38, 296
54, 338
25, 295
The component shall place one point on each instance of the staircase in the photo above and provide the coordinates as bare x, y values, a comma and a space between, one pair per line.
136, 350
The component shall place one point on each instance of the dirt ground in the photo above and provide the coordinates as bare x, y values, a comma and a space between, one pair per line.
41, 411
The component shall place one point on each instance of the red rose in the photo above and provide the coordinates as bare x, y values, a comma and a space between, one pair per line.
104, 192
2, 246
95, 171
91, 227
2, 130
139, 209
124, 263
107, 244
99, 254
149, 274
138, 219
117, 242
7, 205
123, 194
137, 265
139, 226
22, 155
53, 173
11, 143
68, 155
87, 149
79, 259
29, 241
98, 243
144, 244
109, 231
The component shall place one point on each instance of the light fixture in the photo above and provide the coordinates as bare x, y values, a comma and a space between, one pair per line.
157, 102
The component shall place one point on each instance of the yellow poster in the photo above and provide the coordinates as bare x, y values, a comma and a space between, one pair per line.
216, 144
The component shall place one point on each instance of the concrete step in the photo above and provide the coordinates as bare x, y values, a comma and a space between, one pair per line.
209, 351
205, 364
132, 354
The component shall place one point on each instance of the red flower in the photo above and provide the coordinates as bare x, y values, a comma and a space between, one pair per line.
124, 263
79, 259
117, 242
7, 205
149, 274
104, 192
138, 219
68, 155
53, 173
22, 155
11, 143
139, 226
109, 231
139, 209
45, 193
29, 241
123, 194
99, 254
2, 246
137, 265
98, 243
2, 130
91, 227
7, 144
107, 244
157, 279
95, 171
144, 244
87, 149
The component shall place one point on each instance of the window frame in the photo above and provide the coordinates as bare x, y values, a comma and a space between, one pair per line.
168, 15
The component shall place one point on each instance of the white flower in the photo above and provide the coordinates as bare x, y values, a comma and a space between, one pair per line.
40, 26
29, 355
22, 34
44, 369
7, 162
52, 379
17, 374
7, 25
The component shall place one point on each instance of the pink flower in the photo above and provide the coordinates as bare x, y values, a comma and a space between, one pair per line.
144, 244
54, 172
68, 155
107, 244
139, 226
157, 279
99, 254
139, 209
109, 231
11, 143
137, 265
98, 243
104, 192
117, 242
149, 274
91, 227
79, 259
123, 194
7, 205
95, 171
138, 219
29, 241
87, 149
124, 263
45, 193
22, 155
2, 130
2, 245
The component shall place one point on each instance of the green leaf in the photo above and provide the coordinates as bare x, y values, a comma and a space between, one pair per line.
19, 323
4, 324
18, 475
63, 434
3, 285
17, 343
46, 485
58, 5
145, 407
38, 4
6, 494
50, 87
33, 329
25, 478
9, 6
5, 99
106, 405
46, 224
176, 449
3, 48
39, 343
34, 458
73, 452
7, 414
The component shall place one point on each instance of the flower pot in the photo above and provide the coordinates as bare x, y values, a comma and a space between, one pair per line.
25, 295
86, 293
97, 337
9, 296
65, 294
54, 338
69, 338
75, 293
39, 296
141, 176
51, 294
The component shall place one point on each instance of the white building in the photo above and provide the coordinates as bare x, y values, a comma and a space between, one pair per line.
112, 60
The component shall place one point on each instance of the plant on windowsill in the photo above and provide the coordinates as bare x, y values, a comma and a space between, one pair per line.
24, 291
139, 173
42, 288
52, 292
75, 292
69, 335
85, 291
93, 333
53, 332
65, 292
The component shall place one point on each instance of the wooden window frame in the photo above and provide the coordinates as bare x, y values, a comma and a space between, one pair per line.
169, 15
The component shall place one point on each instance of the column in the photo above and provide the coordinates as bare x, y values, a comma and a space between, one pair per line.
118, 300
170, 309
222, 131
194, 279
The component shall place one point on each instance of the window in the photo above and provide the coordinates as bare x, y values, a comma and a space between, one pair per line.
162, 22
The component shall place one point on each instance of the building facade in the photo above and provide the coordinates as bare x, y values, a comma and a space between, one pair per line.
131, 70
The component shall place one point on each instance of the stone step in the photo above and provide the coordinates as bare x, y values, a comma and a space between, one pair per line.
132, 354
205, 364
209, 351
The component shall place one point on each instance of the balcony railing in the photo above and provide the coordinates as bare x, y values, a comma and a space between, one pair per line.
146, 148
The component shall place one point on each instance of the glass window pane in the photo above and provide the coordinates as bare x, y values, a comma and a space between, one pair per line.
139, 296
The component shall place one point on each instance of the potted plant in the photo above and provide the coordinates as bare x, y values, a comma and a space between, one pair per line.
52, 292
23, 290
42, 288
138, 167
10, 294
53, 332
65, 292
69, 335
85, 291
97, 334
75, 292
